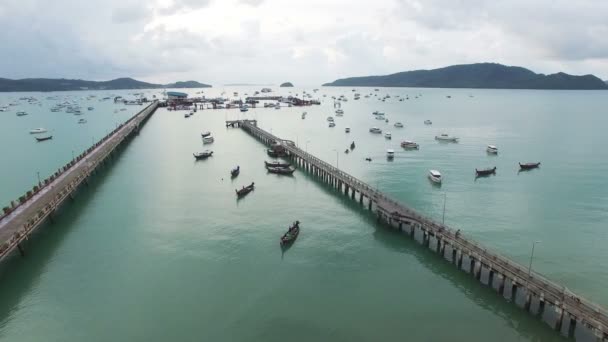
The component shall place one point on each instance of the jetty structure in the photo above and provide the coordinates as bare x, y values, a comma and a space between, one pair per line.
24, 216
566, 312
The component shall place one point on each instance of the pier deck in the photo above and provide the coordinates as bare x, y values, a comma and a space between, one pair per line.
22, 219
560, 308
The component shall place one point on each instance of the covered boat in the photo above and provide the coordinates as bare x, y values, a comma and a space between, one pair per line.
485, 172
409, 144
208, 140
205, 134
390, 153
281, 170
235, 172
492, 149
529, 166
428, 122
435, 176
291, 234
37, 130
245, 190
375, 130
203, 155
446, 137
48, 137
398, 125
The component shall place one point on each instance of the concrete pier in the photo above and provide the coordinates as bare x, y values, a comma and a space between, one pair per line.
24, 216
569, 314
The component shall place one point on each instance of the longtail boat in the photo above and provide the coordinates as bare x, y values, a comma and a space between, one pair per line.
44, 138
485, 172
529, 166
291, 234
245, 190
276, 164
235, 172
281, 170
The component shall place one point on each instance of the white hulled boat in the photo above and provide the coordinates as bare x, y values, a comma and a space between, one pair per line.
492, 149
446, 137
37, 130
435, 176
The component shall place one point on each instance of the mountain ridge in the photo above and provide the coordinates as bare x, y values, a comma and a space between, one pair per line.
478, 75
63, 84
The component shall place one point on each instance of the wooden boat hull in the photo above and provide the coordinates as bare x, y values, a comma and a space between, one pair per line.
202, 156
529, 166
44, 138
244, 191
486, 172
281, 170
276, 164
291, 235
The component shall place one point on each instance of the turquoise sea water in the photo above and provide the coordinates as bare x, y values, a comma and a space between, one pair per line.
158, 248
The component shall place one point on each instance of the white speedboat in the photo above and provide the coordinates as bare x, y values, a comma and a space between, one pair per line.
37, 130
203, 155
398, 125
332, 124
330, 119
339, 112
492, 149
347, 129
390, 153
446, 137
435, 176
428, 122
375, 130
409, 144
208, 140
388, 135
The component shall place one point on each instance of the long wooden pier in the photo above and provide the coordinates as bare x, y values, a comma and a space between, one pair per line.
570, 314
19, 220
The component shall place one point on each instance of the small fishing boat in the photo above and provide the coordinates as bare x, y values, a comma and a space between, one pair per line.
81, 121
205, 134
37, 130
281, 170
375, 130
304, 115
346, 151
49, 137
380, 117
529, 166
330, 119
352, 145
435, 176
244, 190
409, 144
339, 112
485, 172
446, 137
276, 164
203, 155
388, 135
347, 129
292, 233
398, 125
428, 122
208, 140
235, 172
272, 153
492, 149
90, 108
186, 115
21, 113
244, 108
390, 153
368, 159
332, 124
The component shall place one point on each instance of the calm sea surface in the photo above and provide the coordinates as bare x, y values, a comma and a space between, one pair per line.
158, 248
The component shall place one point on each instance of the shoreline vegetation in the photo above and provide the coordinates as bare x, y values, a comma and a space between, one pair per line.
61, 84
479, 75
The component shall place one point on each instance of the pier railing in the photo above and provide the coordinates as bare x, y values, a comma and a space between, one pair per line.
582, 308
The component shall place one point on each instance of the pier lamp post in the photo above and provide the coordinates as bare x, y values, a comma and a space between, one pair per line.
72, 154
532, 256
38, 174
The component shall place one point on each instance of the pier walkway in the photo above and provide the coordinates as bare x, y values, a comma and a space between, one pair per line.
570, 314
23, 217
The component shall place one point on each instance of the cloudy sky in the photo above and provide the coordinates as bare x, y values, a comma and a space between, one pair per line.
307, 42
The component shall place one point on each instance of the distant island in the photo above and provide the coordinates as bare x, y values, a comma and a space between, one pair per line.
50, 84
286, 84
480, 75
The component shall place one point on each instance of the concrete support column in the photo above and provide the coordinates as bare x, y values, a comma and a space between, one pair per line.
447, 253
484, 275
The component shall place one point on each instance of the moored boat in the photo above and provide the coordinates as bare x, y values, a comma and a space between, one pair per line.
21, 113
352, 145
208, 140
435, 176
529, 166
205, 134
203, 155
492, 149
409, 144
82, 121
235, 172
428, 122
347, 129
281, 170
332, 124
446, 137
291, 234
375, 130
49, 137
245, 190
388, 135
37, 130
485, 172
276, 164
398, 125
390, 153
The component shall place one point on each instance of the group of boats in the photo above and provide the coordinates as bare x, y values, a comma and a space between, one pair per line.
435, 176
